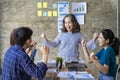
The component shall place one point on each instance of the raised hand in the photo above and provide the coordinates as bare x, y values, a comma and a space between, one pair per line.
83, 43
95, 36
33, 44
92, 56
43, 35
45, 51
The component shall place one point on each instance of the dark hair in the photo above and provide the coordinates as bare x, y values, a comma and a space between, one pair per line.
12, 42
21, 35
113, 41
76, 26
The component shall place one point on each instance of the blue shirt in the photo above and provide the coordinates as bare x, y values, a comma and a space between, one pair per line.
108, 57
17, 65
68, 43
33, 54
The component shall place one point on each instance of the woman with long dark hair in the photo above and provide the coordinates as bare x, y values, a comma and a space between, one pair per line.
69, 39
105, 59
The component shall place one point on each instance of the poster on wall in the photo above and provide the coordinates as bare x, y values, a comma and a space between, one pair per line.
80, 18
63, 9
79, 7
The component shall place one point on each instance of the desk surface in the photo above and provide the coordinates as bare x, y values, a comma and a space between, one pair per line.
60, 75
67, 75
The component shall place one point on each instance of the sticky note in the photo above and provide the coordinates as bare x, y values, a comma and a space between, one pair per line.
49, 13
54, 13
44, 4
54, 6
44, 13
39, 13
39, 5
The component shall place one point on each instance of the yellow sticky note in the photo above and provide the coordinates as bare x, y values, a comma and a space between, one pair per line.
54, 13
49, 13
44, 4
39, 13
39, 5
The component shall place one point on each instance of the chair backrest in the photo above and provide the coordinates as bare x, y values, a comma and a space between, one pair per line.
118, 73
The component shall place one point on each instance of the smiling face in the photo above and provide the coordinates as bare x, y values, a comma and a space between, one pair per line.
102, 42
68, 24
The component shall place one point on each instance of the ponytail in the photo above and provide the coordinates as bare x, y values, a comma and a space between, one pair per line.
115, 45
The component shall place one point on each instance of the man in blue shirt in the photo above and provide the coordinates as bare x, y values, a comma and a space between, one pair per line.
17, 64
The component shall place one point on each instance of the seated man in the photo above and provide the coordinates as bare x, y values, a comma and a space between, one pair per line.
17, 64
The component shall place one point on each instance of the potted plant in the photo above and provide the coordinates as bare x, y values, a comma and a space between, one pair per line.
59, 61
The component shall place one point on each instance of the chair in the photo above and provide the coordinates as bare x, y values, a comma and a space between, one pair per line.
118, 72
